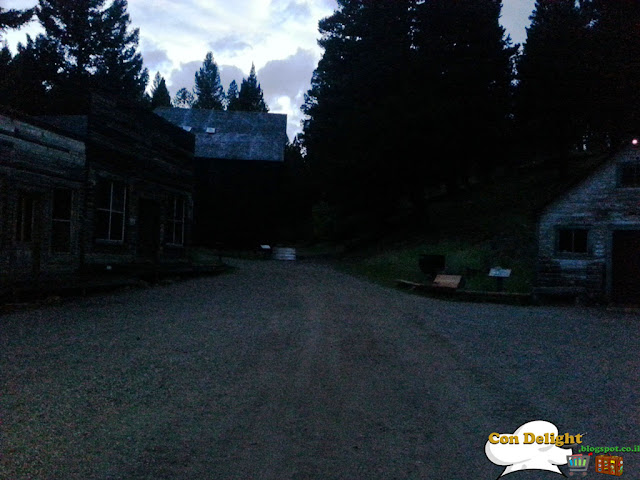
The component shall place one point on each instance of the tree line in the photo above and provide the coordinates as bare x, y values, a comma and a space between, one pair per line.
90, 44
209, 93
415, 94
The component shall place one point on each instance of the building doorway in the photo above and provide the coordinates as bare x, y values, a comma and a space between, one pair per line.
28, 234
625, 267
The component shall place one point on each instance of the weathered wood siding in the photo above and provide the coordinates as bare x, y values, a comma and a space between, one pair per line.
599, 205
153, 158
150, 156
34, 161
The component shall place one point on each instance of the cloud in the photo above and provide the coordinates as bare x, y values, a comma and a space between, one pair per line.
283, 10
288, 76
155, 58
183, 76
298, 10
230, 44
284, 83
228, 73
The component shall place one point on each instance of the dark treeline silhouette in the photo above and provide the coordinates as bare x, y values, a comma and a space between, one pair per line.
409, 95
414, 94
578, 76
209, 93
86, 44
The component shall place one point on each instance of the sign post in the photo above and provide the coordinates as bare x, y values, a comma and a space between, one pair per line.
500, 274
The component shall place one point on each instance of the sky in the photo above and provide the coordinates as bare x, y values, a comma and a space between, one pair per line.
278, 36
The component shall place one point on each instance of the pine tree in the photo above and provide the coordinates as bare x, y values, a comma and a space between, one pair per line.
183, 99
120, 66
232, 96
613, 67
159, 93
208, 90
250, 97
30, 74
552, 89
11, 18
465, 65
356, 108
95, 45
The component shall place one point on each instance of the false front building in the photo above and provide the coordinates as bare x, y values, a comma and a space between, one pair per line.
239, 159
105, 184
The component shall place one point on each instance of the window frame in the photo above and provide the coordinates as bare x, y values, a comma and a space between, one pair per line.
173, 220
19, 230
111, 211
573, 229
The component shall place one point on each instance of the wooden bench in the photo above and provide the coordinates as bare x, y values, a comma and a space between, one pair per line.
448, 282
441, 282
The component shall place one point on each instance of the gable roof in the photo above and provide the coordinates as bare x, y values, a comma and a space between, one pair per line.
238, 135
596, 164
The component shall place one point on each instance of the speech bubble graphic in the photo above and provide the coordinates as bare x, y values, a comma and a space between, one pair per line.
530, 447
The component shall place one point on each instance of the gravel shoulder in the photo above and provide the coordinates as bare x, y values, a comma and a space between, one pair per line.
293, 370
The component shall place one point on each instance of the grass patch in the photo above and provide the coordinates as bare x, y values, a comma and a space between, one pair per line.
473, 261
491, 224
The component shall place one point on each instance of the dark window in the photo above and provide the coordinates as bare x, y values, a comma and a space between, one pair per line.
629, 174
24, 220
61, 221
176, 220
572, 240
111, 198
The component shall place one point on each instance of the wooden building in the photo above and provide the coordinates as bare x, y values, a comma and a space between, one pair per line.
239, 165
42, 173
106, 184
589, 239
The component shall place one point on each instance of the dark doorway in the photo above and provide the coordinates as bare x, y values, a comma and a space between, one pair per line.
28, 233
626, 266
148, 229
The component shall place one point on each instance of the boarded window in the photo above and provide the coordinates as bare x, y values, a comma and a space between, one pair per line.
61, 221
111, 199
24, 218
572, 240
176, 220
629, 174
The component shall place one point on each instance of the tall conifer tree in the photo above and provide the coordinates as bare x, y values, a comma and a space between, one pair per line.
95, 44
159, 93
251, 97
613, 67
183, 99
208, 90
232, 96
355, 106
552, 88
464, 62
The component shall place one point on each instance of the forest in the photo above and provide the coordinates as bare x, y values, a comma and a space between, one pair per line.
410, 100
412, 96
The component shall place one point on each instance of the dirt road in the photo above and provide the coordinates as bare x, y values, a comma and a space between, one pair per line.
297, 371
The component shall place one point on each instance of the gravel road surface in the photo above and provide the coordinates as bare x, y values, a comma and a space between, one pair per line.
294, 370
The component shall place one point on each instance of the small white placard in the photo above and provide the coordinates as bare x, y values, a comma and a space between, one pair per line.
500, 272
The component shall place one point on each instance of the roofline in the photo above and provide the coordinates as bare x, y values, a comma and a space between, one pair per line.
24, 117
600, 165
